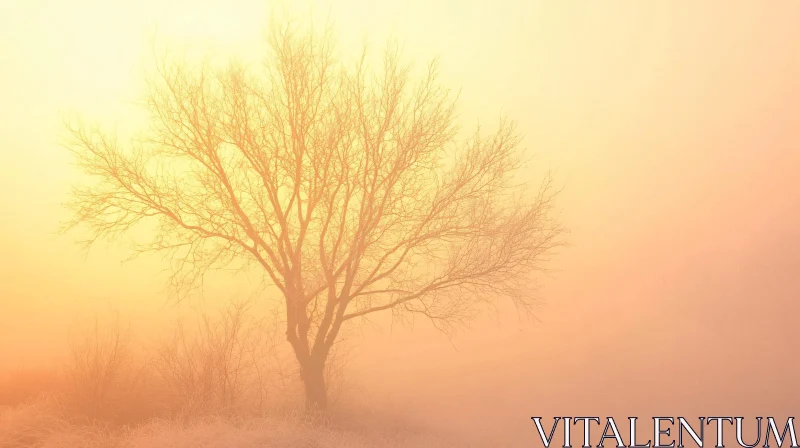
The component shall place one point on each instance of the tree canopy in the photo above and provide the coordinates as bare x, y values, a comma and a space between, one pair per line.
349, 188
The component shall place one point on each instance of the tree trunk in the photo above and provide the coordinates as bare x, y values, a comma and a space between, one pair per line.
313, 376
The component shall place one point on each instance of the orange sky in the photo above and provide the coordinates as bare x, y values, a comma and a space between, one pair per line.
673, 126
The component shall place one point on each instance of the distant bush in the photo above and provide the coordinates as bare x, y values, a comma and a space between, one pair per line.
217, 364
23, 385
226, 363
104, 379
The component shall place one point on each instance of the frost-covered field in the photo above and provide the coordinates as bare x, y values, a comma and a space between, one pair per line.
44, 423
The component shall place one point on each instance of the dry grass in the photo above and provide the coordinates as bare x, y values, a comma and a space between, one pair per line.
45, 423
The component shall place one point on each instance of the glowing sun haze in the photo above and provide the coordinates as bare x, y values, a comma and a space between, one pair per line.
673, 127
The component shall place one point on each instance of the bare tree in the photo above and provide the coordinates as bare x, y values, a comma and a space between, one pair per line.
348, 189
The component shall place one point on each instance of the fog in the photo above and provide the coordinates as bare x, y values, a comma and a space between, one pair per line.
672, 127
